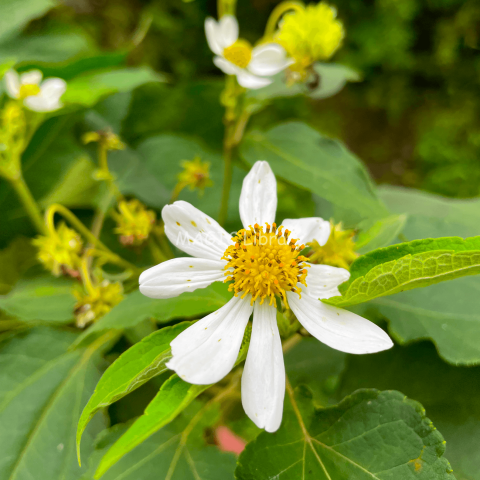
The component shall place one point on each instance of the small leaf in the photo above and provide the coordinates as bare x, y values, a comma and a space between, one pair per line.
409, 265
380, 233
369, 435
132, 369
311, 161
46, 299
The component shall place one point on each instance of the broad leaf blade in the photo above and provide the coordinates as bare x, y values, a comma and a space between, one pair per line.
132, 369
370, 435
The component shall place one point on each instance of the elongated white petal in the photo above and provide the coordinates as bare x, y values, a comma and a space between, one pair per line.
268, 59
194, 232
173, 277
12, 83
263, 379
337, 328
323, 280
228, 30
212, 32
308, 229
258, 200
225, 66
33, 77
53, 88
48, 99
248, 80
207, 351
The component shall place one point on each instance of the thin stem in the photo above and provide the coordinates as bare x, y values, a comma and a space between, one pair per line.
227, 181
29, 203
277, 14
87, 281
291, 342
155, 250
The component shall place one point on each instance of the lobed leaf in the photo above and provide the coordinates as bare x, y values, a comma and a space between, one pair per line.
409, 265
133, 368
370, 435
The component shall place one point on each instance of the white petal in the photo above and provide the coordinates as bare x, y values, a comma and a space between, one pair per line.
33, 77
263, 379
228, 30
207, 351
212, 32
194, 232
53, 88
39, 103
173, 277
308, 229
258, 200
337, 328
269, 59
247, 80
12, 83
323, 280
225, 66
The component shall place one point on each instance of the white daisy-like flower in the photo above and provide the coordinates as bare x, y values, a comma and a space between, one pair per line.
36, 95
262, 263
237, 57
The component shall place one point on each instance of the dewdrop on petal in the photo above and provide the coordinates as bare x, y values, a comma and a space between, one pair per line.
59, 251
134, 222
339, 251
310, 34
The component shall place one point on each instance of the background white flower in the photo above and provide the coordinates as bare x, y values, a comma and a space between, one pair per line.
36, 95
207, 351
237, 57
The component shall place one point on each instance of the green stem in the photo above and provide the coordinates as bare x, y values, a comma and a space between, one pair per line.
277, 14
29, 203
227, 181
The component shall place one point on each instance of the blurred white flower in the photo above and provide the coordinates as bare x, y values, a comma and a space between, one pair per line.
36, 95
262, 263
237, 57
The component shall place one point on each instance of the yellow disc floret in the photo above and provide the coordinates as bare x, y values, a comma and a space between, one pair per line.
240, 53
29, 90
265, 263
310, 34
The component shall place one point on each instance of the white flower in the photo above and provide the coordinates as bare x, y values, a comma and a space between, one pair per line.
261, 262
36, 95
237, 57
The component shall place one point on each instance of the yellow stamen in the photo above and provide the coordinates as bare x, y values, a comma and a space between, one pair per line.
240, 53
29, 90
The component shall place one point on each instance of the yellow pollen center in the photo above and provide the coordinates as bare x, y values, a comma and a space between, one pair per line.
240, 53
265, 263
29, 90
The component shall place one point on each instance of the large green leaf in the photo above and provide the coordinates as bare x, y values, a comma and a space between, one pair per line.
306, 158
15, 14
369, 435
43, 386
448, 393
409, 265
132, 369
380, 233
89, 88
169, 454
14, 261
45, 298
136, 307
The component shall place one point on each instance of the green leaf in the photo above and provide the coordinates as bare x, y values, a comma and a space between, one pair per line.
332, 78
47, 299
15, 14
43, 386
369, 435
89, 88
132, 369
166, 455
409, 265
311, 161
449, 394
136, 307
379, 234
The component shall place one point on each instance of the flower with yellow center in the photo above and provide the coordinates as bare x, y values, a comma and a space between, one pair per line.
339, 251
235, 56
195, 174
310, 34
36, 95
263, 264
98, 301
60, 251
134, 222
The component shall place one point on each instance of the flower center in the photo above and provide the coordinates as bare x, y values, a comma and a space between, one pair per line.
29, 90
264, 263
240, 53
